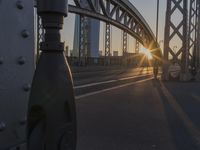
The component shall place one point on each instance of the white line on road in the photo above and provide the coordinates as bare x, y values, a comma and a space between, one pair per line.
113, 88
127, 78
93, 84
110, 81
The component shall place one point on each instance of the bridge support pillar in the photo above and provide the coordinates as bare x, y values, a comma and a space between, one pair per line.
176, 53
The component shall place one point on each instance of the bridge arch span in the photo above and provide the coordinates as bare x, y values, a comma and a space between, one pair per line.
121, 14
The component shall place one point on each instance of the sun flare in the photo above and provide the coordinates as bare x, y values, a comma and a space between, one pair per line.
146, 52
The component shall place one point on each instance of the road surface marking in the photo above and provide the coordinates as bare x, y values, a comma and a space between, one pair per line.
193, 130
112, 88
93, 84
127, 78
110, 81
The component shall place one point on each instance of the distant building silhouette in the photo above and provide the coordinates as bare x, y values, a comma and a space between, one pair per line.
93, 29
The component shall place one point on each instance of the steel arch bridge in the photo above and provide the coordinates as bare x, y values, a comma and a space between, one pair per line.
56, 81
121, 14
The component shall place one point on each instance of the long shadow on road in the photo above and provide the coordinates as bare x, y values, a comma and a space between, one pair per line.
181, 131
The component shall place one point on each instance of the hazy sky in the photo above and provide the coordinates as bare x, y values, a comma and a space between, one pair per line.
146, 7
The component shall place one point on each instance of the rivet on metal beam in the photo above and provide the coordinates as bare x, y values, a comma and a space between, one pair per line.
2, 126
27, 87
19, 5
21, 60
25, 34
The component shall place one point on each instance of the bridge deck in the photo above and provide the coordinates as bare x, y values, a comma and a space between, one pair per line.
142, 115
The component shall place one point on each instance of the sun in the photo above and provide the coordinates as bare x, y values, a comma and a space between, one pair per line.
146, 52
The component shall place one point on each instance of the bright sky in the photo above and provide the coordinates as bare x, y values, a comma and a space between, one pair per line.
146, 7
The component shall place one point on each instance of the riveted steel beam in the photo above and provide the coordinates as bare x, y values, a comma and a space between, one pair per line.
16, 70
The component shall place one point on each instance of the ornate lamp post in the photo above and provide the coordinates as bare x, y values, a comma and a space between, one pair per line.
156, 64
157, 20
51, 114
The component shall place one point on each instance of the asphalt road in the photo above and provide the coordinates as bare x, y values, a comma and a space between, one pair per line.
90, 81
90, 76
137, 113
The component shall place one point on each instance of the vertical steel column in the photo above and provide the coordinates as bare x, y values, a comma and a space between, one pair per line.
83, 39
124, 42
137, 46
51, 111
167, 39
40, 35
157, 20
84, 44
16, 70
181, 32
192, 37
185, 50
40, 31
124, 47
107, 43
192, 28
87, 40
197, 53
